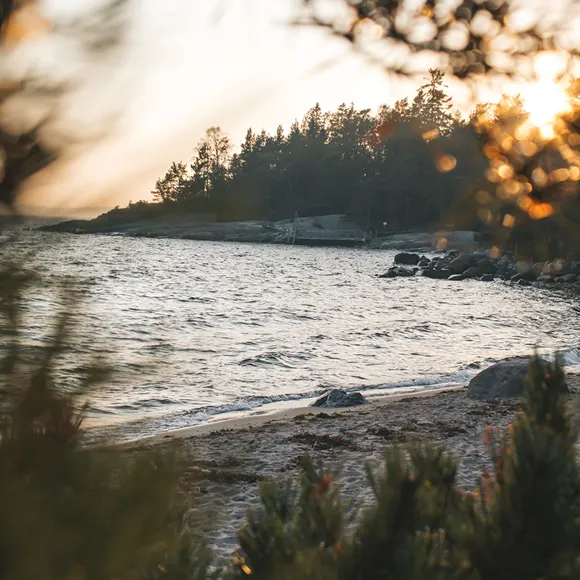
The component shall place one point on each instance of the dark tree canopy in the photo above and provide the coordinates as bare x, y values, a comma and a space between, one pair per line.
404, 165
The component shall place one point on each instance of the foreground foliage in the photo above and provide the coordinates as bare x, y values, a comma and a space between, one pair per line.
68, 511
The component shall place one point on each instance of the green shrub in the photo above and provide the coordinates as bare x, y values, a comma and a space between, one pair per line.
522, 523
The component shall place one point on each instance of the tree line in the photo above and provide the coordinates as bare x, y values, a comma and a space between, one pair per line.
403, 166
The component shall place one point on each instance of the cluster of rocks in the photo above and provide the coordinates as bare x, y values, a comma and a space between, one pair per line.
482, 266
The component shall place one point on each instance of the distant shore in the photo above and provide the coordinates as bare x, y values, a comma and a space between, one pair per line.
315, 230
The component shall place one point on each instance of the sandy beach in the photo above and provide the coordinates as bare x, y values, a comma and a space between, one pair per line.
227, 459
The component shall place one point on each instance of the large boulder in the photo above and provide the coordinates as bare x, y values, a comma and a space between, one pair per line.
337, 398
460, 264
407, 258
504, 379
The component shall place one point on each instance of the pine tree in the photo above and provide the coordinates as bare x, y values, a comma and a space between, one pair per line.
527, 524
432, 106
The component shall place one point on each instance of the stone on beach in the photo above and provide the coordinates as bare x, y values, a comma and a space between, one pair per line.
504, 379
337, 398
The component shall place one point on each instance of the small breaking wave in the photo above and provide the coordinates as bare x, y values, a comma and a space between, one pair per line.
281, 359
184, 418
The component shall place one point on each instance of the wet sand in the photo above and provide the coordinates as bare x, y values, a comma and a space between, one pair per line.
227, 459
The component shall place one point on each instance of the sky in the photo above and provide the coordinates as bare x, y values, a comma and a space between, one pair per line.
184, 65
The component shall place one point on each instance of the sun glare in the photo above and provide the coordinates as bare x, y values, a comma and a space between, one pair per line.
546, 99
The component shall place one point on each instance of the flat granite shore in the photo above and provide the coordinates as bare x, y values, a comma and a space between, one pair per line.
227, 460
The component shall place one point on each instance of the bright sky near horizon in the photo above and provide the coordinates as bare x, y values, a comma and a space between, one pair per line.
188, 66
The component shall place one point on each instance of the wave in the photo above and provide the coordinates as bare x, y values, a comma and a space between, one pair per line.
571, 358
277, 358
199, 415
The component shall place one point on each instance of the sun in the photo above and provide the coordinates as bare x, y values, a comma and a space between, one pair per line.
545, 101
546, 98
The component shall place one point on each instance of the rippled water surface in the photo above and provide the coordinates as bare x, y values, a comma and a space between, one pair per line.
199, 328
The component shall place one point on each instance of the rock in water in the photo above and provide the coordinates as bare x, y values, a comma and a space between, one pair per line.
461, 263
407, 259
437, 274
336, 398
472, 272
504, 379
486, 266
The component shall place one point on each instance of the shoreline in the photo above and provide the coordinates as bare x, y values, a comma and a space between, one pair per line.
263, 232
255, 419
226, 460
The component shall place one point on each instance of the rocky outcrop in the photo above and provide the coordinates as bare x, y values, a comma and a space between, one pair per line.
455, 266
424, 241
337, 398
504, 379
407, 259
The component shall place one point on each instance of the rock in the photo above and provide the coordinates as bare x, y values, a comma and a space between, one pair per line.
569, 278
486, 266
456, 277
547, 279
522, 267
405, 272
472, 272
389, 274
522, 282
407, 258
424, 264
336, 398
477, 257
437, 274
528, 276
487, 278
538, 267
555, 268
503, 379
461, 263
